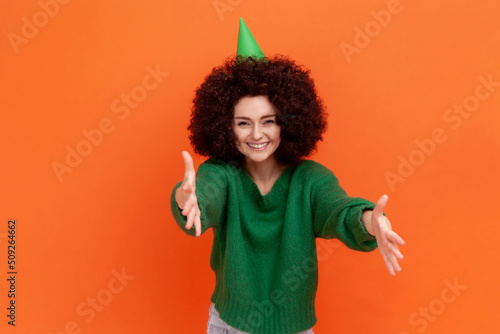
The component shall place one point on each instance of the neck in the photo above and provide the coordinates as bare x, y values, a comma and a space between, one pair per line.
264, 171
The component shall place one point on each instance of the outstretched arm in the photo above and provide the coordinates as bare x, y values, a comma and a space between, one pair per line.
378, 225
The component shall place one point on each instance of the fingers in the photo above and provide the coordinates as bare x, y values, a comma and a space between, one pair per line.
392, 264
395, 265
193, 218
395, 251
392, 261
391, 269
187, 188
186, 192
398, 254
397, 239
192, 213
191, 209
379, 208
197, 224
183, 197
188, 161
187, 208
391, 254
189, 168
388, 264
190, 219
387, 239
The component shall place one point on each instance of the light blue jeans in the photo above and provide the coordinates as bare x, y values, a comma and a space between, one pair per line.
217, 326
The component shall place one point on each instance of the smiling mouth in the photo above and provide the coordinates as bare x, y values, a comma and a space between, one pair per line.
258, 147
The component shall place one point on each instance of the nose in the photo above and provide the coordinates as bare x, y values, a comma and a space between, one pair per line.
256, 132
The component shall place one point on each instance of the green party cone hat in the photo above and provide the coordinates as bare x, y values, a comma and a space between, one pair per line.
247, 45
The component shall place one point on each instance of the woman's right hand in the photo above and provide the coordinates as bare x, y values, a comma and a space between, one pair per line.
185, 195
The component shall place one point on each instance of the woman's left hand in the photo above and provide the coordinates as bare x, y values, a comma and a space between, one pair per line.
387, 239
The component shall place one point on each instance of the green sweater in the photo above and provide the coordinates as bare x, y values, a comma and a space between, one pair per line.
264, 249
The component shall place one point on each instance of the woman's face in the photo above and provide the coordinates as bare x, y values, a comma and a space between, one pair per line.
257, 134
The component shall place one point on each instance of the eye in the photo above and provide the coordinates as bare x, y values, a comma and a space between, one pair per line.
242, 123
269, 122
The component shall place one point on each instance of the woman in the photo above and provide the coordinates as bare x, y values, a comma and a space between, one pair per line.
257, 121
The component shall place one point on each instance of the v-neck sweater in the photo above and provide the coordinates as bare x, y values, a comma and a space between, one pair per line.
264, 249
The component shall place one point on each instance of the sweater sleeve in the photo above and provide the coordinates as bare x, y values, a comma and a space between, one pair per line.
211, 192
336, 215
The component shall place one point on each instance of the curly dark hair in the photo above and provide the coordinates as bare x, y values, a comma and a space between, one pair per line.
299, 111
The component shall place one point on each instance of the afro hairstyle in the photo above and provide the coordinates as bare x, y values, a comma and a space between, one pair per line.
300, 113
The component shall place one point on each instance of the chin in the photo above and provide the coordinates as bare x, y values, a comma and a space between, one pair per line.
257, 159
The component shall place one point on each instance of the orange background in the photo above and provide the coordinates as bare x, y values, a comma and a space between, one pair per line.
111, 212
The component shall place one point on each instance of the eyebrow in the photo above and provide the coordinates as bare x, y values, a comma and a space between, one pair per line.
248, 118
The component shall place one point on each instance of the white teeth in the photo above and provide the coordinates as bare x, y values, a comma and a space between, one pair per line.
258, 145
